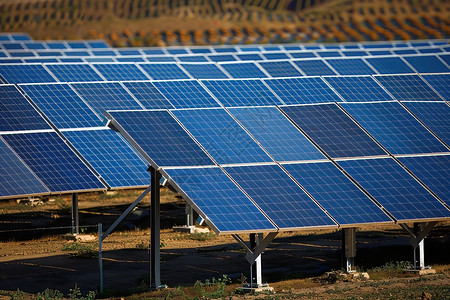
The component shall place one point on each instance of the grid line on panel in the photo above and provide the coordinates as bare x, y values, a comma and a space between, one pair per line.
408, 88
358, 88
440, 83
24, 73
389, 65
352, 66
204, 71
243, 70
427, 64
147, 94
280, 69
120, 71
164, 71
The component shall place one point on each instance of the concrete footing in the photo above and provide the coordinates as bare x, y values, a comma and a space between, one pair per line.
190, 229
247, 288
80, 237
422, 271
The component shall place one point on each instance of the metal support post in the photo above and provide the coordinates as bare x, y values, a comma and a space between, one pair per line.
100, 256
155, 279
75, 216
418, 234
259, 238
349, 248
189, 212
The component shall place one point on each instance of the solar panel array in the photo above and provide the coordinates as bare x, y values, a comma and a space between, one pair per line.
255, 138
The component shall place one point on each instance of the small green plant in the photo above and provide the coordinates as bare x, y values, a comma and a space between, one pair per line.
201, 236
49, 294
81, 250
178, 292
214, 288
142, 245
18, 295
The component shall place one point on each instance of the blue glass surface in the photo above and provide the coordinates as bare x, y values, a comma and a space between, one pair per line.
162, 138
147, 94
329, 53
276, 55
204, 71
221, 136
174, 51
16, 113
333, 130
303, 90
74, 72
352, 66
397, 191
12, 46
40, 60
62, 105
223, 203
441, 83
221, 57
111, 156
241, 92
279, 196
130, 59
53, 162
21, 53
186, 94
389, 65
276, 134
358, 89
345, 202
243, 70
427, 64
71, 59
394, 127
302, 55
56, 45
164, 71
49, 53
200, 50
98, 44
120, 72
280, 69
225, 49
314, 67
24, 73
192, 58
408, 88
77, 45
352, 53
76, 53
128, 52
160, 59
445, 57
106, 52
249, 57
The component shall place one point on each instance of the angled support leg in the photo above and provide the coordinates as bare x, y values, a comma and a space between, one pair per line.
418, 234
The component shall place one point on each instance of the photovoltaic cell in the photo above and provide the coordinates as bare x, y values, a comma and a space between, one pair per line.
221, 57
62, 105
147, 94
389, 65
221, 136
276, 55
186, 94
276, 134
303, 55
120, 72
394, 127
224, 204
352, 66
249, 57
333, 130
24, 73
345, 202
395, 189
243, 70
74, 72
314, 67
358, 89
441, 83
427, 64
280, 69
53, 162
111, 157
204, 71
164, 71
161, 138
408, 88
241, 92
279, 196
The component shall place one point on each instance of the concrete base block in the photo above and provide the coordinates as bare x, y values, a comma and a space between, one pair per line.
247, 288
422, 271
80, 237
190, 229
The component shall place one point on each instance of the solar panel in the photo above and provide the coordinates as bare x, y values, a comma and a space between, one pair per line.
221, 136
186, 94
358, 89
220, 200
74, 72
53, 162
221, 57
77, 44
160, 59
243, 70
174, 51
329, 53
302, 55
111, 157
49, 53
200, 50
70, 60
439, 82
98, 44
56, 45
395, 189
120, 72
280, 69
25, 73
62, 105
276, 134
225, 49
249, 57
352, 66
204, 71
130, 59
161, 138
345, 202
103, 96
104, 52
427, 64
13, 46
16, 113
129, 52
333, 130
241, 92
435, 115
445, 57
40, 60
404, 51
15, 177
434, 171
76, 53
389, 65
314, 67
279, 196
394, 127
147, 94
22, 53
352, 53
276, 55
164, 71
408, 88
99, 59
192, 58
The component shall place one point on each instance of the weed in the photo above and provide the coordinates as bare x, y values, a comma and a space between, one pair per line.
49, 294
214, 288
19, 295
201, 236
81, 250
142, 245
178, 292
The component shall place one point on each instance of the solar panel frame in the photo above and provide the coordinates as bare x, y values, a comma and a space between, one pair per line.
439, 83
280, 68
407, 87
120, 71
74, 72
164, 71
243, 70
26, 73
350, 66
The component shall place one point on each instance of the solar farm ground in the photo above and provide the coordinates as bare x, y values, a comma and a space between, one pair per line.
294, 263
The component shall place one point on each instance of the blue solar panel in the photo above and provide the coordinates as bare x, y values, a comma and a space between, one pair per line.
21, 54
204, 71
99, 59
15, 177
53, 162
147, 94
98, 44
220, 200
389, 65
225, 50
220, 57
441, 83
49, 53
62, 105
379, 52
352, 53
394, 127
77, 45
333, 130
40, 60
279, 196
106, 96
436, 115
243, 70
56, 45
129, 52
329, 53
429, 50
276, 55
154, 51
276, 134
130, 59
70, 60
111, 157
302, 55
12, 46
176, 51
408, 88
74, 72
433, 171
280, 69
161, 138
314, 67
241, 92
192, 58
395, 189
221, 136
427, 64
160, 59
186, 94
352, 66
164, 71
249, 57
303, 90
200, 50
76, 53
120, 72
358, 89
10, 61
104, 52
16, 113
345, 202
404, 51
445, 57
24, 73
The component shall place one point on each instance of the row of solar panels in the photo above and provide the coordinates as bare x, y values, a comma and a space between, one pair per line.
14, 37
54, 45
87, 72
